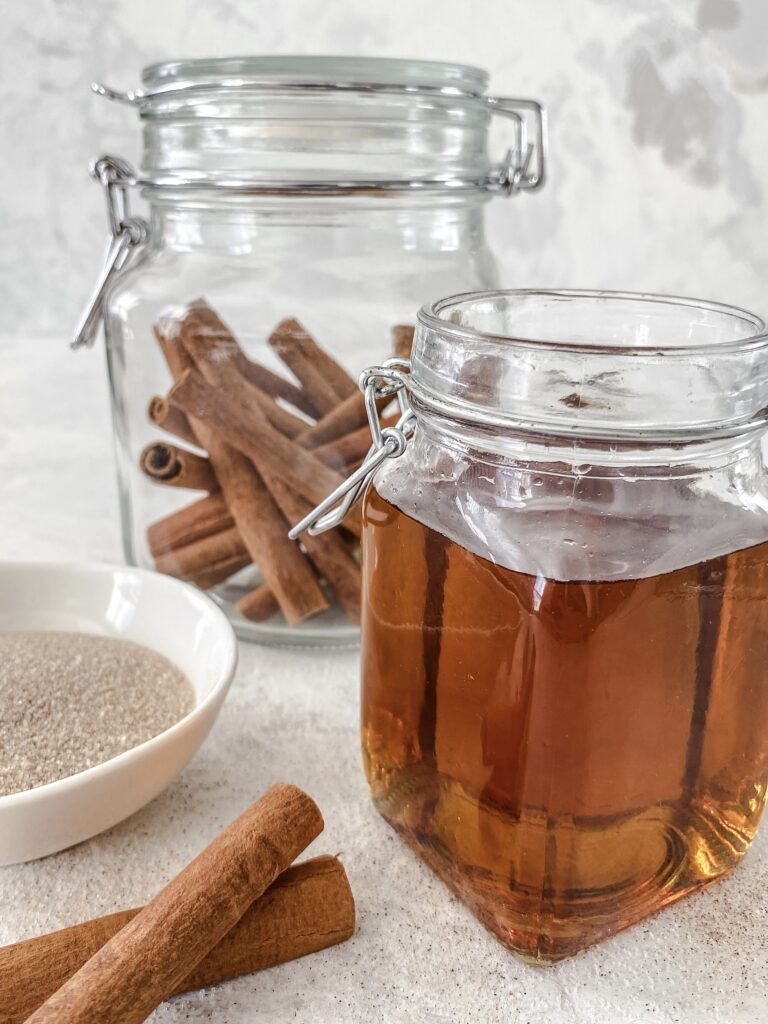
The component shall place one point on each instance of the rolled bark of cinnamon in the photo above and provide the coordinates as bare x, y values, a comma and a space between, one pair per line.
324, 380
262, 527
281, 419
245, 421
170, 419
264, 531
308, 908
220, 571
259, 604
346, 451
192, 523
149, 958
192, 560
347, 417
176, 467
221, 347
278, 387
215, 351
329, 553
240, 422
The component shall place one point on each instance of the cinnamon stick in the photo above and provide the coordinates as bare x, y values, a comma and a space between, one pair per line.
347, 417
345, 451
329, 552
216, 353
176, 467
262, 527
324, 380
308, 908
192, 523
278, 387
283, 420
240, 422
212, 347
264, 530
149, 958
200, 321
258, 605
220, 571
205, 559
196, 558
170, 419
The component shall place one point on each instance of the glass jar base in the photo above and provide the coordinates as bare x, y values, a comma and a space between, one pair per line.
304, 636
331, 630
646, 862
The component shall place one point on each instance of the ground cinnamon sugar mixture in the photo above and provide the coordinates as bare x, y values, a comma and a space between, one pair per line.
69, 701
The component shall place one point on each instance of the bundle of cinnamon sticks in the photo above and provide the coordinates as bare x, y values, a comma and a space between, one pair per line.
238, 907
266, 448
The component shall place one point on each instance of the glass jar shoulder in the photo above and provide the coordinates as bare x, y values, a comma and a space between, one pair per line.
573, 520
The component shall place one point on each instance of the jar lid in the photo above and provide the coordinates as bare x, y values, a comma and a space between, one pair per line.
329, 125
374, 71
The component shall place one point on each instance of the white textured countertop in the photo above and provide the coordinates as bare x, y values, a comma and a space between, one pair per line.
417, 955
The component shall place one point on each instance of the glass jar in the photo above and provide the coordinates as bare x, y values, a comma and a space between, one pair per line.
565, 606
324, 195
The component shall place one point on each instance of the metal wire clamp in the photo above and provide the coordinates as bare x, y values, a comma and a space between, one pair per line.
376, 382
126, 233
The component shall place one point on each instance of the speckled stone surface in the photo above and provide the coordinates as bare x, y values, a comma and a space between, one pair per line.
418, 956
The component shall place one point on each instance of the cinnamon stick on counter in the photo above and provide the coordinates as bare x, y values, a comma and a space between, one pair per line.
308, 908
149, 958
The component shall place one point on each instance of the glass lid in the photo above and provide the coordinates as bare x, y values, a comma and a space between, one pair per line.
326, 69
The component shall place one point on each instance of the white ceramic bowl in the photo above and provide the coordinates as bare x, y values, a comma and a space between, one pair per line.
170, 617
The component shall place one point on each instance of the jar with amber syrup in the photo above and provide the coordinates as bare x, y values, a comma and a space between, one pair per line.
565, 606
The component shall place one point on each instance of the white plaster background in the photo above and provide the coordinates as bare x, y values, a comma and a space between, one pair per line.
658, 108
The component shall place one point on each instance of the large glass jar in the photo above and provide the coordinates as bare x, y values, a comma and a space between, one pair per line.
565, 615
328, 196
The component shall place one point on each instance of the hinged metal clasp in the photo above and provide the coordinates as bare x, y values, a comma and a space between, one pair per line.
524, 165
126, 234
376, 383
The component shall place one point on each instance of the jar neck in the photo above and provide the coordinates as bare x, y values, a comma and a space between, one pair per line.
740, 455
439, 224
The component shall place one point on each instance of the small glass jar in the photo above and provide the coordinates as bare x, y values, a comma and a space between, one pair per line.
326, 195
565, 606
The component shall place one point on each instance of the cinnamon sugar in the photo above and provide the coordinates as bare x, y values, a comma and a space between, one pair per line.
69, 701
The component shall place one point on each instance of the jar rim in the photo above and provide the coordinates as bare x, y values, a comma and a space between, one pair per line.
433, 315
321, 68
592, 364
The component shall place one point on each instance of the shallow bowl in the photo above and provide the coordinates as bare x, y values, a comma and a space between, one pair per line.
170, 617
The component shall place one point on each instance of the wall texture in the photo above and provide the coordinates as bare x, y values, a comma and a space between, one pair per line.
658, 108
